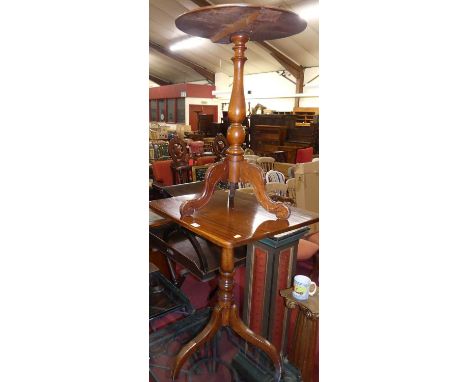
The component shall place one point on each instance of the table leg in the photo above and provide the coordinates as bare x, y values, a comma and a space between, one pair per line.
206, 334
240, 328
225, 313
253, 174
214, 174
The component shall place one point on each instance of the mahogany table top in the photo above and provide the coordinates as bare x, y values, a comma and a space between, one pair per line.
230, 228
261, 23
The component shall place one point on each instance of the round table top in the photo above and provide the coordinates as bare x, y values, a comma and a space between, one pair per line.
261, 23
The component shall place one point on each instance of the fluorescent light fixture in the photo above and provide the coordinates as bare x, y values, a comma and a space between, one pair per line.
188, 43
311, 85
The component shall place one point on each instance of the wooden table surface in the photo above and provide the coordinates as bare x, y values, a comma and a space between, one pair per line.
229, 228
261, 23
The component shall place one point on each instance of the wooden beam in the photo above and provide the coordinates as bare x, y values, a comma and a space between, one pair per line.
209, 75
296, 70
158, 80
299, 87
288, 64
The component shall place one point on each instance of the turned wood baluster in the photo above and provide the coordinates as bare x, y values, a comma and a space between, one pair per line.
236, 113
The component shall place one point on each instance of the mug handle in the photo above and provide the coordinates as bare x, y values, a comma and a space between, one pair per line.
311, 293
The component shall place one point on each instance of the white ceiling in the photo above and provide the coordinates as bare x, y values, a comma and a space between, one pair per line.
302, 48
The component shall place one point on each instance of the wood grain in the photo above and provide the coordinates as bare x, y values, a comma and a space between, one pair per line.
231, 227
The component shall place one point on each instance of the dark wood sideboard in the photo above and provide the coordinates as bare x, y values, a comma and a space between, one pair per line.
272, 132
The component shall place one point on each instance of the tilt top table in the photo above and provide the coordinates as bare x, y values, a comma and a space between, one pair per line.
229, 227
238, 23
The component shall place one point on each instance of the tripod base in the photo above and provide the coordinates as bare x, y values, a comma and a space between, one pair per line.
225, 313
249, 173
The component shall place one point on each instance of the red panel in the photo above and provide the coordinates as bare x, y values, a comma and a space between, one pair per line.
201, 91
258, 286
168, 91
173, 91
280, 309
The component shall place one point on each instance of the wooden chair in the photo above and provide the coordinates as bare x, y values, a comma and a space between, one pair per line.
266, 163
304, 155
304, 346
251, 158
180, 160
208, 144
220, 145
275, 176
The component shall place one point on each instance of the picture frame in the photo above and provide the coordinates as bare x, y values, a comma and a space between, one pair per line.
198, 173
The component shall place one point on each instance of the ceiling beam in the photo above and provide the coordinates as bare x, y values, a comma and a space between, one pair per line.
158, 80
288, 64
296, 70
299, 87
208, 74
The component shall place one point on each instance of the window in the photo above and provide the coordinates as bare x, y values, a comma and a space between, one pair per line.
171, 110
181, 110
161, 110
153, 110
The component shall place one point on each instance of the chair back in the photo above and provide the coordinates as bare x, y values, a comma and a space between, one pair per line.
208, 145
220, 145
180, 160
304, 155
275, 176
266, 163
251, 158
196, 147
162, 172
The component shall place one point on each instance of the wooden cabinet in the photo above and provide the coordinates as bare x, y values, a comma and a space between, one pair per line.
273, 132
306, 116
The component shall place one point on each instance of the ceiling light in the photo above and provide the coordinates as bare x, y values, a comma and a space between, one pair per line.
309, 13
191, 42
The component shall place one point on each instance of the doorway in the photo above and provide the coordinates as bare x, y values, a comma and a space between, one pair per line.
194, 110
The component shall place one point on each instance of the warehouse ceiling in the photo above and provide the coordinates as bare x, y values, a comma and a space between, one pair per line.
164, 67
